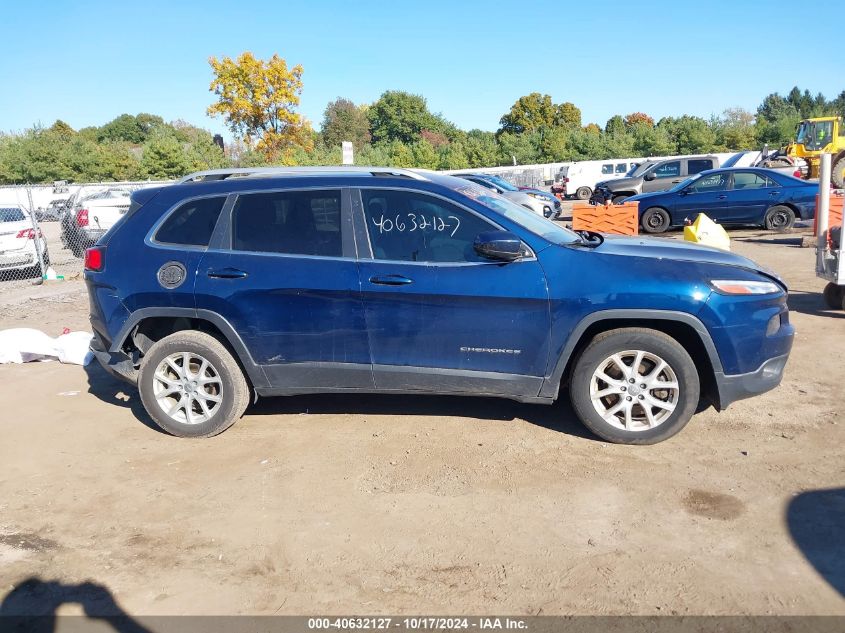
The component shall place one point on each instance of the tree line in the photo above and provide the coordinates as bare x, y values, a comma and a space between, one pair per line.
259, 99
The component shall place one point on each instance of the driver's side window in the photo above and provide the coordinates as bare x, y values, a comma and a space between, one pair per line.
416, 227
711, 182
668, 170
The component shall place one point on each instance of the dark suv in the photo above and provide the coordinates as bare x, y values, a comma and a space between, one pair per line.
243, 283
652, 176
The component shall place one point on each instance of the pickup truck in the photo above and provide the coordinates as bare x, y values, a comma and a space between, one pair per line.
652, 176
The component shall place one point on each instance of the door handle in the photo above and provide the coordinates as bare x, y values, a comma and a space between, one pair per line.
774, 193
391, 280
679, 180
227, 273
722, 197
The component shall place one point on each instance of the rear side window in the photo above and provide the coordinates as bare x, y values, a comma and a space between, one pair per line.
288, 222
192, 223
697, 165
750, 180
621, 168
607, 169
11, 215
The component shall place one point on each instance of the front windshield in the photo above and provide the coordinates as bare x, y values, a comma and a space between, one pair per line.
502, 183
552, 231
639, 169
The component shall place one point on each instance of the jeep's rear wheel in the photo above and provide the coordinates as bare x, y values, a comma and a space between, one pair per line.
191, 385
583, 193
635, 386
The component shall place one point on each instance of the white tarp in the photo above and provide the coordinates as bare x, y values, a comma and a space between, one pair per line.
23, 345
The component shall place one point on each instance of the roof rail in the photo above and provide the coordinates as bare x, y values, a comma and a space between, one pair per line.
267, 172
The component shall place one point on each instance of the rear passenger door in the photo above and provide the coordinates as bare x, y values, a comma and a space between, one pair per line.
750, 198
281, 270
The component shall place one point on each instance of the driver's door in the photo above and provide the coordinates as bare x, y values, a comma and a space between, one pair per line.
440, 317
663, 177
707, 195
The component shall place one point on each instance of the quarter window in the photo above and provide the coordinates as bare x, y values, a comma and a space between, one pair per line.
191, 224
414, 227
667, 170
289, 222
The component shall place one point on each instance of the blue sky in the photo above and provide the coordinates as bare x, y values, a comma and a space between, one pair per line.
88, 61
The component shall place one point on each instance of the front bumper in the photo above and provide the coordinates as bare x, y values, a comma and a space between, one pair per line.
741, 386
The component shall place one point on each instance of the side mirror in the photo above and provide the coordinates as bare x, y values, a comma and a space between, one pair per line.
502, 246
650, 176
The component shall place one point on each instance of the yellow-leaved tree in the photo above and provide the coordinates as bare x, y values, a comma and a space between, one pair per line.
257, 99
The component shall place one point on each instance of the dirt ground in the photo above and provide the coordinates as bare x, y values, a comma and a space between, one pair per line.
434, 505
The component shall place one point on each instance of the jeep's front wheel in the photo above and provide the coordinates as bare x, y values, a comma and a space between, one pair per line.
191, 385
634, 386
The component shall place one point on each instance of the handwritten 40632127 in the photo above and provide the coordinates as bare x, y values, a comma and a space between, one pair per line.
408, 222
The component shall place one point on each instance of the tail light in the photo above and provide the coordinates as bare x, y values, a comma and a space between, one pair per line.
566, 180
796, 173
28, 234
95, 259
82, 218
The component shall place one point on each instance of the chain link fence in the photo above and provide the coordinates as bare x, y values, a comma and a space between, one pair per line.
45, 229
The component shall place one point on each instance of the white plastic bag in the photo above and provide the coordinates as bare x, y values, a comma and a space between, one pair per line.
24, 345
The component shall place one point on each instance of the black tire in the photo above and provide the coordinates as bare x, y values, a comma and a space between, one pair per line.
655, 220
779, 218
619, 199
233, 389
833, 295
651, 342
837, 172
583, 193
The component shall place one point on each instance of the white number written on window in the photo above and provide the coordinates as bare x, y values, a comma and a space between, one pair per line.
410, 222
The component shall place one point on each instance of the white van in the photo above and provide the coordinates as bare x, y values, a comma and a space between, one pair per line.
579, 180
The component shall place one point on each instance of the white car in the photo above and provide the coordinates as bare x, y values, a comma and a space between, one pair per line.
91, 216
579, 180
18, 241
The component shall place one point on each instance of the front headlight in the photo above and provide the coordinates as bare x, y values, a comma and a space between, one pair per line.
744, 287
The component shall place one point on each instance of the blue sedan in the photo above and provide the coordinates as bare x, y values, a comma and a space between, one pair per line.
735, 196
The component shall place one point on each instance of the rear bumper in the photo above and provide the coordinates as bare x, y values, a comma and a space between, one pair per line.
118, 364
740, 386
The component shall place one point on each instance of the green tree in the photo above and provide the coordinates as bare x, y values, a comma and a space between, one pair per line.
425, 155
401, 116
344, 121
453, 156
529, 113
164, 157
131, 129
615, 125
480, 148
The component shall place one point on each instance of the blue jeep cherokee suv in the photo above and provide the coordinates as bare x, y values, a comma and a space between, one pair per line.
282, 281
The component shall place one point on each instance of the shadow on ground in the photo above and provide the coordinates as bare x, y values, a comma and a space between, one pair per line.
558, 417
116, 392
813, 304
32, 605
816, 521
